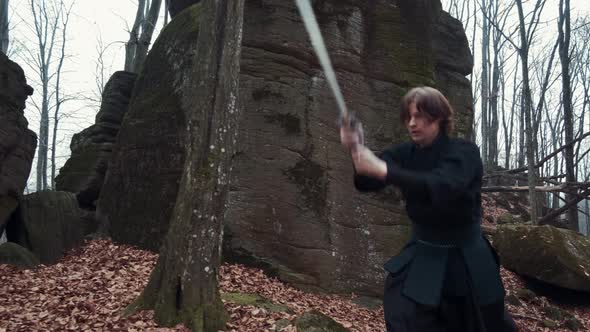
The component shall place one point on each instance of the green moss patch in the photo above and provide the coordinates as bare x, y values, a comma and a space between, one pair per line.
254, 300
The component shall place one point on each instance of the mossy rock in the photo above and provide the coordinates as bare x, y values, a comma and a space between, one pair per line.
572, 324
550, 324
505, 218
525, 294
254, 300
553, 312
49, 223
281, 324
315, 321
556, 256
13, 254
368, 302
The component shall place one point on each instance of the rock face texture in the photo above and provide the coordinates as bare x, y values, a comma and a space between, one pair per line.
140, 188
17, 142
83, 174
49, 223
292, 205
556, 256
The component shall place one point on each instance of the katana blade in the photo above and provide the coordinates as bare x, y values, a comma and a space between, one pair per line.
311, 25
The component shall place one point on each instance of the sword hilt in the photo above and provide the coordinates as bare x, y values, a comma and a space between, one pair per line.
351, 121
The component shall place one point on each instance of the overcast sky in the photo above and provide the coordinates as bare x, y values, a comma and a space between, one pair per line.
109, 19
91, 20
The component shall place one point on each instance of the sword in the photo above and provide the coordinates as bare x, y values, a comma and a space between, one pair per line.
317, 42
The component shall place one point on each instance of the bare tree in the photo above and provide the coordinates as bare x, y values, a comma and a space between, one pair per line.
102, 71
49, 28
141, 33
509, 127
166, 14
494, 37
485, 90
564, 56
58, 96
500, 19
526, 36
4, 38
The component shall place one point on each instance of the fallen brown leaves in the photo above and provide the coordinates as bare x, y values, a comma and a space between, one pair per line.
529, 315
90, 287
491, 210
86, 291
236, 278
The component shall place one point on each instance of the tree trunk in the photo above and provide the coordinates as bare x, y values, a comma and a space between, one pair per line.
527, 110
493, 110
4, 38
564, 44
183, 285
43, 131
166, 14
58, 97
485, 93
509, 137
587, 210
131, 46
521, 139
473, 136
146, 35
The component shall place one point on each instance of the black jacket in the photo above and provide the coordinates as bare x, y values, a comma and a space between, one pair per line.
447, 253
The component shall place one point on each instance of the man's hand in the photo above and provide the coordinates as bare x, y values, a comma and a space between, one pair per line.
351, 132
349, 137
367, 163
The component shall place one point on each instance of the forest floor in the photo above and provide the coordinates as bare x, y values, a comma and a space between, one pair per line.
90, 287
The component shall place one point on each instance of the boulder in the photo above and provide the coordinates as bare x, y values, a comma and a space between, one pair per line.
49, 223
292, 204
13, 254
552, 255
141, 184
85, 170
17, 142
315, 321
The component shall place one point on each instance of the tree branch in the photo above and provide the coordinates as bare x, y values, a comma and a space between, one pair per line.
564, 187
581, 196
540, 163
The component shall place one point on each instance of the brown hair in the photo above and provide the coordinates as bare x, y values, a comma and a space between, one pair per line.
430, 102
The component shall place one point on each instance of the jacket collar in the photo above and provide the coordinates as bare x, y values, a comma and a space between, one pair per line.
441, 140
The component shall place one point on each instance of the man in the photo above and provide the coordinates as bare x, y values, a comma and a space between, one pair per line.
447, 277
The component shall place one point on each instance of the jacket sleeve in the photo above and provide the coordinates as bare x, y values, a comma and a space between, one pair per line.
366, 183
452, 178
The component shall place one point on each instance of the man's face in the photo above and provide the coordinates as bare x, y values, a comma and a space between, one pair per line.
421, 128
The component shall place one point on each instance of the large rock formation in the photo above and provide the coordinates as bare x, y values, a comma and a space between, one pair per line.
17, 142
49, 223
292, 203
140, 188
84, 172
556, 256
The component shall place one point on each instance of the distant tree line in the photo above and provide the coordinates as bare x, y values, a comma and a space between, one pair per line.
531, 95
